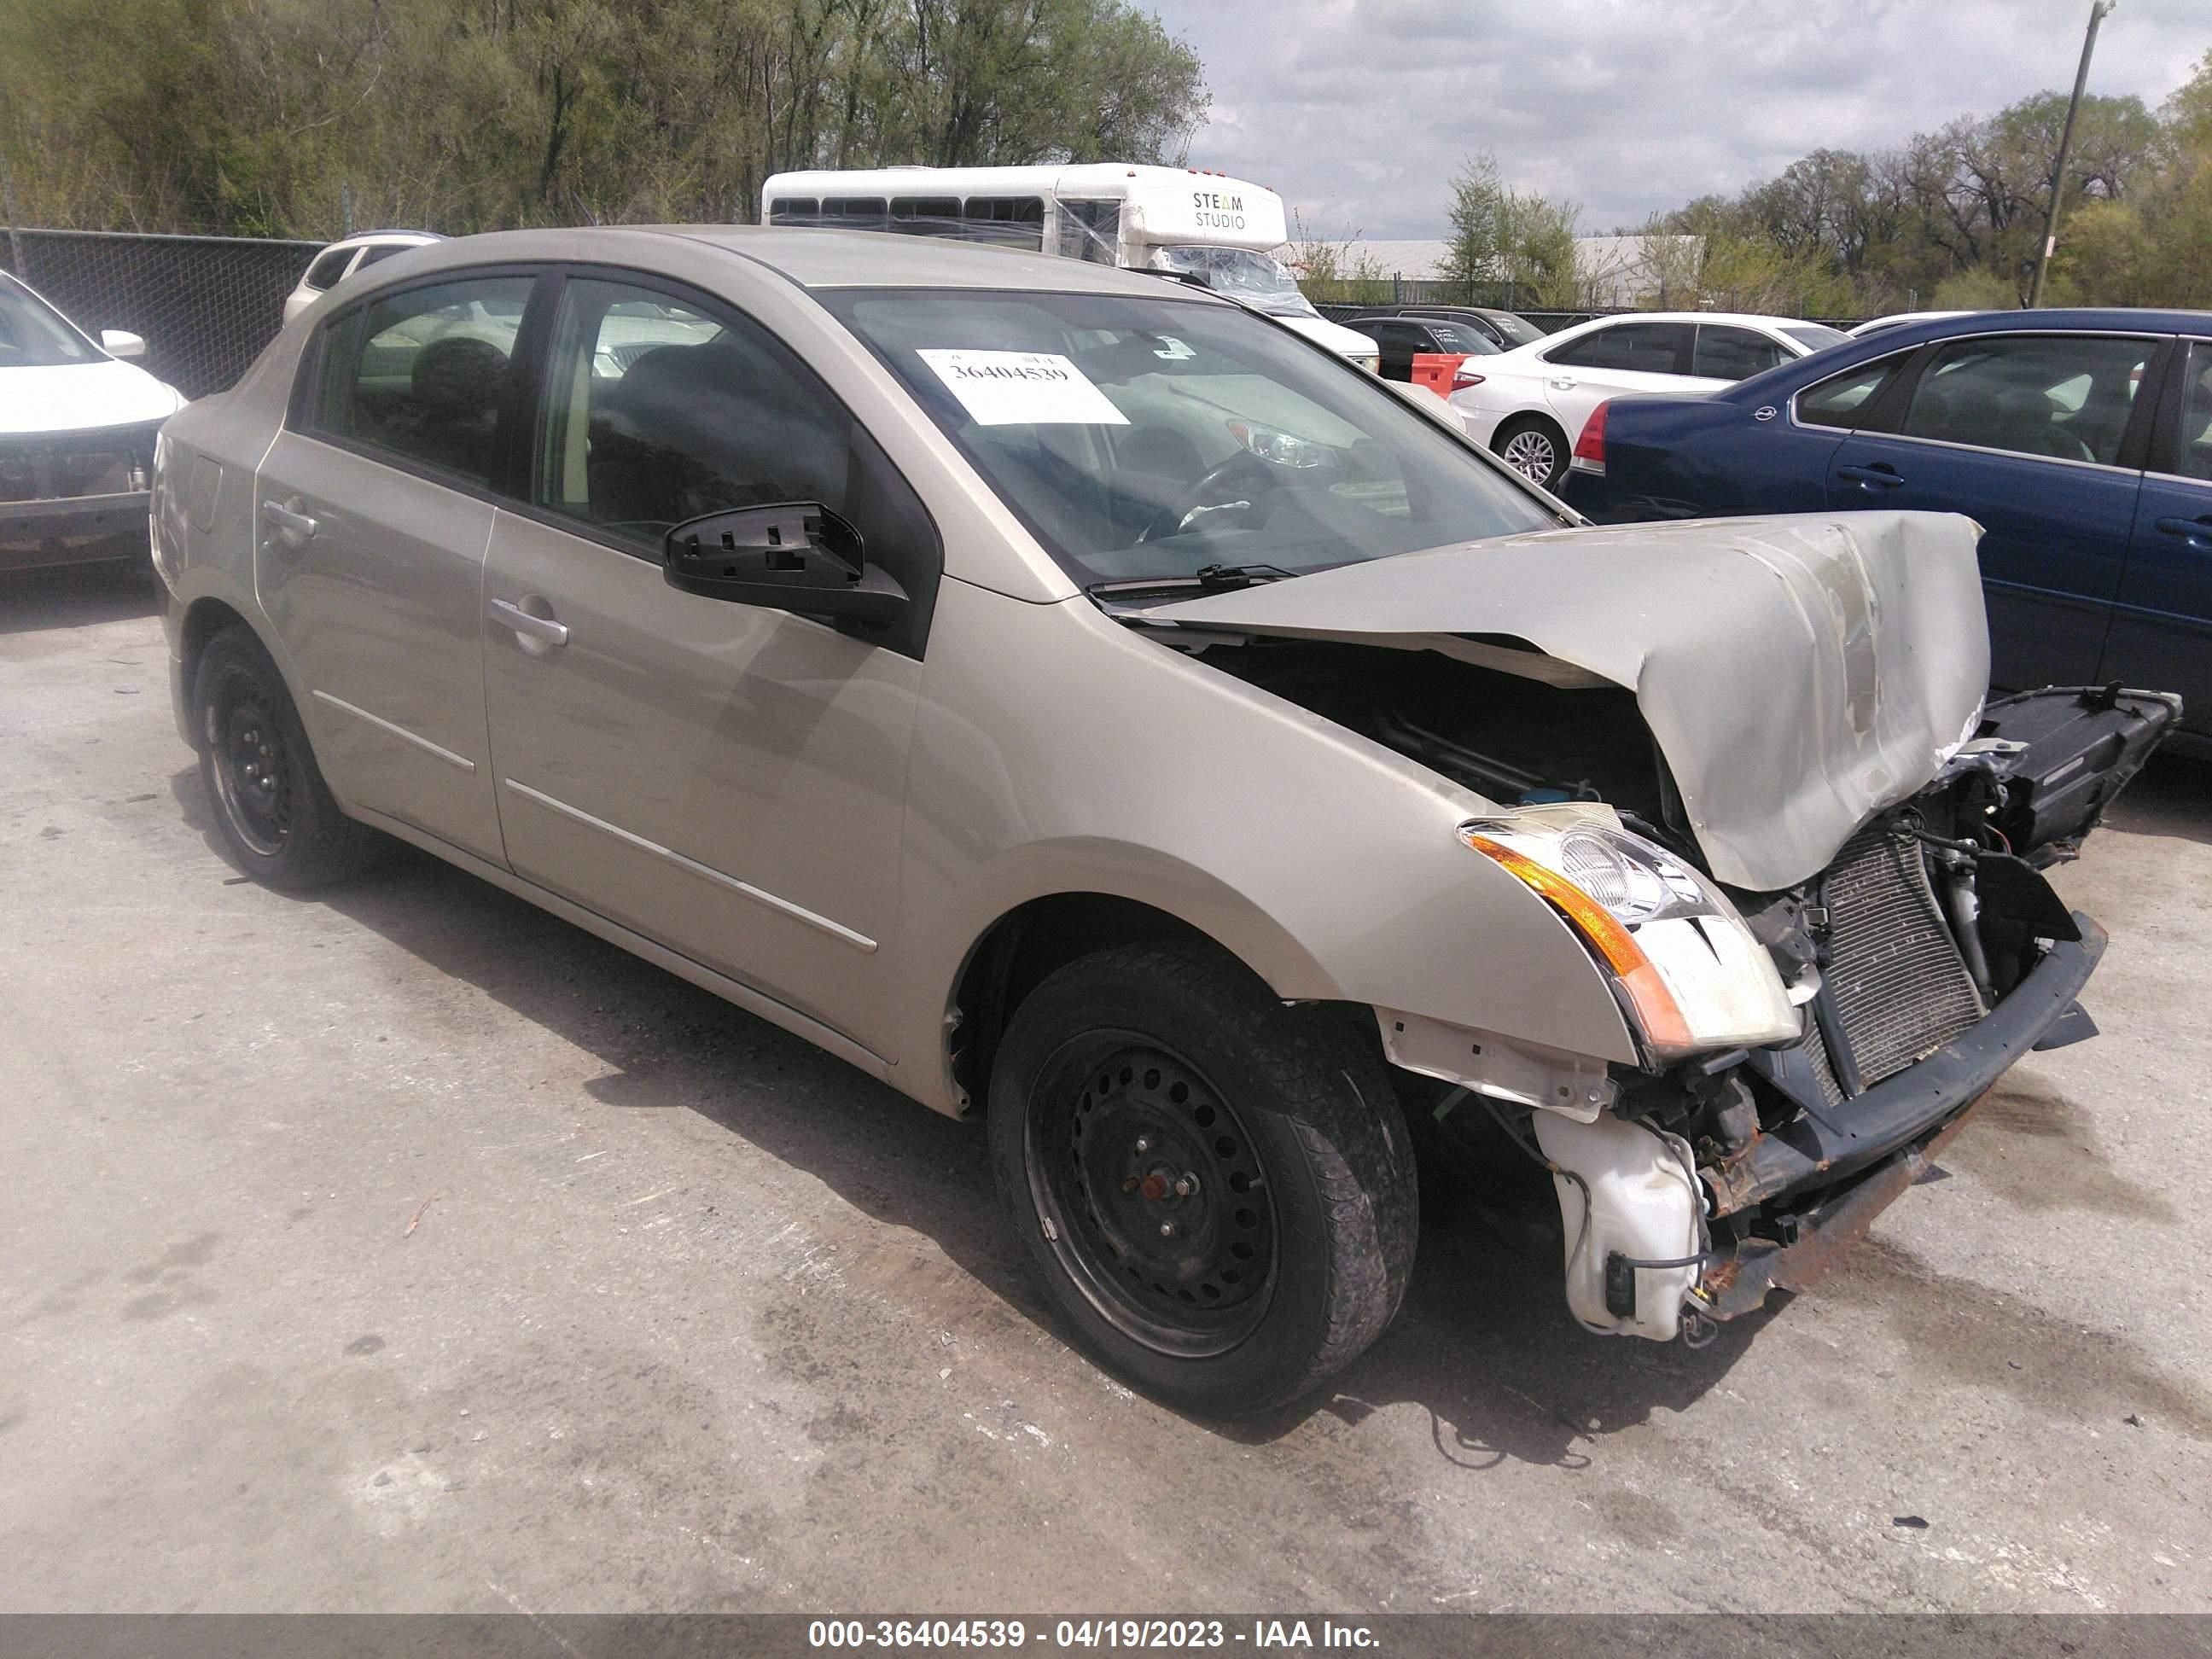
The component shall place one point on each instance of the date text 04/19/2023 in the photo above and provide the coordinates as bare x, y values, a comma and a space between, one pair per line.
1276, 1635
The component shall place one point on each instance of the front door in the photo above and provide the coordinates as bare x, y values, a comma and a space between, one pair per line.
2162, 637
724, 779
2023, 434
371, 520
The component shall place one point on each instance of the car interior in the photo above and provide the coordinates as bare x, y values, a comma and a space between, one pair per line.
2068, 399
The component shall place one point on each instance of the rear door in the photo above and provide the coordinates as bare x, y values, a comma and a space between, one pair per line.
2030, 435
2162, 634
1628, 357
373, 510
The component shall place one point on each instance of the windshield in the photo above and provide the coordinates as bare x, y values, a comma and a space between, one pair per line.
1815, 336
1145, 439
1255, 278
1458, 336
32, 333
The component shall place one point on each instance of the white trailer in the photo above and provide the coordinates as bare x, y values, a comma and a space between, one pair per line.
1207, 226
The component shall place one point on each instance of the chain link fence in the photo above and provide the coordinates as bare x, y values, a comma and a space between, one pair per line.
205, 305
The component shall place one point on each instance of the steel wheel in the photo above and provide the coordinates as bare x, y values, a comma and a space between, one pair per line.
253, 765
1155, 1198
276, 816
1531, 452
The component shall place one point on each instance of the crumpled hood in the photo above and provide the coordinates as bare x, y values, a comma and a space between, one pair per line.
1799, 672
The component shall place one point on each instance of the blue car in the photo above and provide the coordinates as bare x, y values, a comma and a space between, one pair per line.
2080, 441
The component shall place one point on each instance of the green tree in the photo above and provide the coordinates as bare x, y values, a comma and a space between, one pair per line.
274, 116
1520, 241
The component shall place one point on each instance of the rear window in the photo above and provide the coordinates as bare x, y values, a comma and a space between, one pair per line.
422, 375
329, 266
1641, 348
1815, 336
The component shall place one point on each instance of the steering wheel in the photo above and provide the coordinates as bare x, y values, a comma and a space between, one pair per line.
1242, 474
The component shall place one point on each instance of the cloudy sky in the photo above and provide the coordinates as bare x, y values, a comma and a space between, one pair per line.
1360, 111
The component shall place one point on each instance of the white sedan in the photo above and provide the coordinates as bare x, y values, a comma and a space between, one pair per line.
1529, 405
76, 437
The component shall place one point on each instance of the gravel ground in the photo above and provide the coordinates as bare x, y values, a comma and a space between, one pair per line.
404, 1248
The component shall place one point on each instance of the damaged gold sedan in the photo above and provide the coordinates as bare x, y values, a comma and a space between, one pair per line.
1081, 702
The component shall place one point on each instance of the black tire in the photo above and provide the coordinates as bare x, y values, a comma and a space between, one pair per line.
1535, 435
1129, 1073
275, 812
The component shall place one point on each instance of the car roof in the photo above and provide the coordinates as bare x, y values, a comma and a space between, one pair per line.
365, 238
816, 258
2107, 320
1756, 320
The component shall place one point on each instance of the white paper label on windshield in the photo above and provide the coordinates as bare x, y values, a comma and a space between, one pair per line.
1022, 388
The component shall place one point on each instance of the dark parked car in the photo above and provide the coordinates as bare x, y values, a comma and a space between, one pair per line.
1506, 328
1401, 339
2080, 441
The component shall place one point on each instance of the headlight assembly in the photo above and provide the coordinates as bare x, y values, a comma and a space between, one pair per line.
1688, 967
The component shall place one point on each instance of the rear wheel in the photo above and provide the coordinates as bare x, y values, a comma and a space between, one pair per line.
1217, 1190
1533, 446
275, 812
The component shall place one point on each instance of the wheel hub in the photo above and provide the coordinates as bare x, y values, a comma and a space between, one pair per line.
1163, 1191
253, 771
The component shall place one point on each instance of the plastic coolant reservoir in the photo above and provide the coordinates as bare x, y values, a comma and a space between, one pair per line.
1644, 1203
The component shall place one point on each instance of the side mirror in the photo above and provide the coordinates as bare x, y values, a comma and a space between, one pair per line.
794, 556
121, 342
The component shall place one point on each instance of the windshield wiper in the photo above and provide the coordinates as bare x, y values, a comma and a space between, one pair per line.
1208, 579
1228, 578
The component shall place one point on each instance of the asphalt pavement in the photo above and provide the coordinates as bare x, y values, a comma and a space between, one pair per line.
404, 1249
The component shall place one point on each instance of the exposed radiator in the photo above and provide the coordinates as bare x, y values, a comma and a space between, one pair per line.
1900, 989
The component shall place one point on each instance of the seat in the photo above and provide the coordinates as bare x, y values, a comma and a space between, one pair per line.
458, 386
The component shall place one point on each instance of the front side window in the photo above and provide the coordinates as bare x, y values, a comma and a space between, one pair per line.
1641, 348
1146, 439
1733, 354
1090, 231
657, 410
424, 373
2064, 396
33, 334
1842, 400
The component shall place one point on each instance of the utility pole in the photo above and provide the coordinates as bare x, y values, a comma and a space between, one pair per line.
2066, 153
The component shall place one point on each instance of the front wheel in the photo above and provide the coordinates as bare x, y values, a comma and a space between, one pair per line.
1217, 1190
1533, 447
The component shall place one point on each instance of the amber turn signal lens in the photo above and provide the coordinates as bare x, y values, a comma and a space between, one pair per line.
1664, 1028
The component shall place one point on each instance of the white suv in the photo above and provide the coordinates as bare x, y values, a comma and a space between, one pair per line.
341, 258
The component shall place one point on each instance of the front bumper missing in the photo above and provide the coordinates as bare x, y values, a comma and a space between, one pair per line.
1891, 1134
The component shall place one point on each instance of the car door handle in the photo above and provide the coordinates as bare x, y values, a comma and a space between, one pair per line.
2194, 530
542, 629
1877, 477
1562, 383
297, 527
